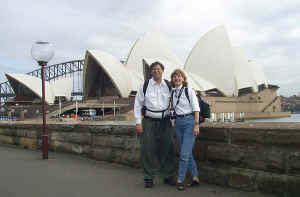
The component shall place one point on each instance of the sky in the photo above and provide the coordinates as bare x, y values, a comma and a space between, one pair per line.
267, 31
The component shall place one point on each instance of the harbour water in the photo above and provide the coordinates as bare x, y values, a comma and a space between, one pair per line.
292, 118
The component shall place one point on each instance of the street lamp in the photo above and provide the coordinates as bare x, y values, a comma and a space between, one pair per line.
42, 52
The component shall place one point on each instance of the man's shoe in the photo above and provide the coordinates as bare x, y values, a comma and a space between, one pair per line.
148, 183
170, 180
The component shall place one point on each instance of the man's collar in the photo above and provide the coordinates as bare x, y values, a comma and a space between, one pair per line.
152, 82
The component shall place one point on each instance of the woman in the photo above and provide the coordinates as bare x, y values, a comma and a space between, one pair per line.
186, 125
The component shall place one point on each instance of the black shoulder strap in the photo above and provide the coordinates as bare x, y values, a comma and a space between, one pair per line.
178, 97
171, 100
168, 84
146, 83
187, 94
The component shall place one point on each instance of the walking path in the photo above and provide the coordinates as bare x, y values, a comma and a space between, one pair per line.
24, 173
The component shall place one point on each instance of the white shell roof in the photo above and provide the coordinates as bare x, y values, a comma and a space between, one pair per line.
244, 74
151, 45
201, 83
211, 64
113, 68
136, 79
63, 87
211, 58
169, 68
34, 84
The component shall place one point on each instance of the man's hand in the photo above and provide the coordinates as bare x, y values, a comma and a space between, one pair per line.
196, 129
139, 129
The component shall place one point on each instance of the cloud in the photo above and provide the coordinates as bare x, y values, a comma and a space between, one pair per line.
267, 31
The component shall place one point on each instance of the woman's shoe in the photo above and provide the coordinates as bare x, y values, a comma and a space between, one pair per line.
180, 186
194, 184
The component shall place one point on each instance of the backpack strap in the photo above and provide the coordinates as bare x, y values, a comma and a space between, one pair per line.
178, 98
187, 94
168, 84
145, 86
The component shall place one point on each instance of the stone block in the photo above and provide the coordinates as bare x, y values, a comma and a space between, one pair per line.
212, 175
292, 188
81, 149
117, 142
255, 159
283, 138
247, 136
294, 163
21, 132
61, 146
129, 158
57, 136
62, 127
101, 129
123, 130
276, 160
70, 148
103, 154
78, 138
32, 133
251, 157
200, 150
242, 179
6, 139
282, 185
225, 152
213, 134
250, 180
102, 141
29, 143
131, 144
269, 183
8, 131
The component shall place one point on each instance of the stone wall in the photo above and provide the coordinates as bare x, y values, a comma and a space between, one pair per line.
248, 156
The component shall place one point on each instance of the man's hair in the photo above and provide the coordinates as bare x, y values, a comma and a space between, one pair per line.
157, 63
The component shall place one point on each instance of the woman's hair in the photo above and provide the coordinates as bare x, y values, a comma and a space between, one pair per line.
179, 72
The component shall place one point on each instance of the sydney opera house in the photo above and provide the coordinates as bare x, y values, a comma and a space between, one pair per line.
227, 79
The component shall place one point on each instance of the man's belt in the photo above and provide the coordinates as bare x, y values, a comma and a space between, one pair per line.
156, 119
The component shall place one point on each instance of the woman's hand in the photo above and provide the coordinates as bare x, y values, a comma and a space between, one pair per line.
196, 130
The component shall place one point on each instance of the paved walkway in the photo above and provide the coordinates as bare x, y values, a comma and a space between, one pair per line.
24, 173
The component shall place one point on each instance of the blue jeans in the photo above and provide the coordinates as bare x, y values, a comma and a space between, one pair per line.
185, 134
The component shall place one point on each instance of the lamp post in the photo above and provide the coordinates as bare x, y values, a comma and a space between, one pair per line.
42, 52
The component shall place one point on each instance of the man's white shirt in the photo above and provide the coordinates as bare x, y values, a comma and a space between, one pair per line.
157, 98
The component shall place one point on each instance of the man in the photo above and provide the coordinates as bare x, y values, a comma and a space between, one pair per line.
155, 127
